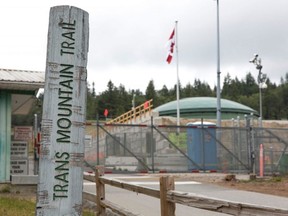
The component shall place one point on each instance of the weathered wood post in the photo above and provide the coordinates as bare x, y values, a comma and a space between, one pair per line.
100, 190
167, 207
63, 122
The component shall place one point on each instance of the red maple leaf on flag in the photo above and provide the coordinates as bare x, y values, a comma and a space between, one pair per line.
171, 44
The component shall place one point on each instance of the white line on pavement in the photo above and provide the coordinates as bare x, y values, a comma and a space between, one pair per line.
152, 183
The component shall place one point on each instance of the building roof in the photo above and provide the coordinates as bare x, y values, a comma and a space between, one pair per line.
204, 107
21, 79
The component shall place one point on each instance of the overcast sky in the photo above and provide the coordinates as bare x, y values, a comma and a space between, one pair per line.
128, 37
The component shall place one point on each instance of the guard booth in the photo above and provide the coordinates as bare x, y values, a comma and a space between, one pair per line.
18, 89
201, 146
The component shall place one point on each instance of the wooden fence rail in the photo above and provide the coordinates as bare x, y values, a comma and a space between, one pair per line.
169, 198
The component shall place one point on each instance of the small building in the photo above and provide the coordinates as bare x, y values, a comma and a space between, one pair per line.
18, 89
204, 107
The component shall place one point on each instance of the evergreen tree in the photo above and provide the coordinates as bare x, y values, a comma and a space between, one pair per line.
150, 93
91, 102
246, 91
251, 87
164, 96
232, 88
125, 101
188, 91
202, 89
226, 86
108, 100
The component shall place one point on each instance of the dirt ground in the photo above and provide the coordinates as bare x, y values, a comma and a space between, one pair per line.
273, 185
270, 185
27, 192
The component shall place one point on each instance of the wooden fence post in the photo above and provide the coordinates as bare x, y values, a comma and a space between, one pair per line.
100, 190
166, 184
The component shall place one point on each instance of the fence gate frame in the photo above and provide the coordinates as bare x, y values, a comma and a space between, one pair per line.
248, 138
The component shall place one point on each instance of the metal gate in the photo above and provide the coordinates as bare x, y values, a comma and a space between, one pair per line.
190, 148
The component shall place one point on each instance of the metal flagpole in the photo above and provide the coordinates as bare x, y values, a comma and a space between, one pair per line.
173, 41
177, 68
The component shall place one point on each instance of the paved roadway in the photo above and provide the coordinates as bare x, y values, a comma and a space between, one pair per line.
145, 205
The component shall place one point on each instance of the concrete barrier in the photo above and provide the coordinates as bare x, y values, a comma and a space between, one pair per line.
24, 179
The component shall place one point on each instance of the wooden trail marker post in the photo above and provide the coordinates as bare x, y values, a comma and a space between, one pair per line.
63, 122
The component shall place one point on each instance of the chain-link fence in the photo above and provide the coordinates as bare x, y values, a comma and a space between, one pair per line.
191, 148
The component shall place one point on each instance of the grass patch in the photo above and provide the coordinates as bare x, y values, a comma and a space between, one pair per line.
5, 189
14, 207
273, 179
276, 179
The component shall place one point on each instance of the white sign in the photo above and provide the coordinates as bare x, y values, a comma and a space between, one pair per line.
88, 141
19, 167
19, 149
23, 133
64, 110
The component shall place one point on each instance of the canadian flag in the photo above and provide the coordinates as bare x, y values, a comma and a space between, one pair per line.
170, 46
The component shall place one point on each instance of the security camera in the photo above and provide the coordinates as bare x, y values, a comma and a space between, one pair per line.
253, 60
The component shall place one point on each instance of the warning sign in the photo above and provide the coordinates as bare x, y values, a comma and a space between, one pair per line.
19, 149
19, 167
23, 133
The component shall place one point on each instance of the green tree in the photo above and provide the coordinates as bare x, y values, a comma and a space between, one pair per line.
251, 101
246, 91
188, 91
251, 87
150, 93
163, 95
202, 89
108, 100
125, 101
226, 85
232, 88
138, 97
91, 102
272, 96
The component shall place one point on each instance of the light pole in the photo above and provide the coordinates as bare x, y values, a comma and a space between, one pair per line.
133, 101
218, 71
261, 79
133, 105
